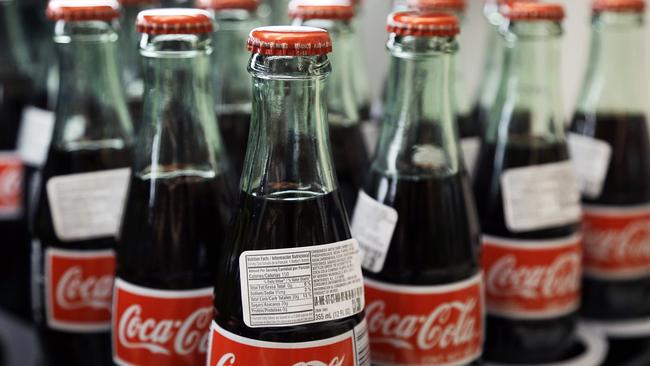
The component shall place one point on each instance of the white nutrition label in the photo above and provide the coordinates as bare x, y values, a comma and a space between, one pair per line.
591, 162
373, 224
88, 205
285, 287
540, 196
35, 134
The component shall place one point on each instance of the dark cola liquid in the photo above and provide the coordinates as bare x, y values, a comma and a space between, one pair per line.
234, 128
468, 126
172, 230
14, 263
350, 161
135, 106
286, 219
64, 348
421, 251
627, 183
508, 340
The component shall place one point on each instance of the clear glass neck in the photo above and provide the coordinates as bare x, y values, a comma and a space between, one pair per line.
342, 102
616, 80
529, 102
91, 108
129, 39
179, 130
14, 57
419, 134
231, 82
493, 68
288, 147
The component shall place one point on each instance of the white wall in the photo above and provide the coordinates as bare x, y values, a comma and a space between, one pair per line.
575, 43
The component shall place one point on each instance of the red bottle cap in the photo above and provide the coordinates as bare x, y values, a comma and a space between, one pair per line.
524, 10
438, 5
619, 5
321, 9
174, 21
81, 10
289, 41
411, 23
250, 5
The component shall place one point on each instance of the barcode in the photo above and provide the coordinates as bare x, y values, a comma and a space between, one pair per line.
362, 344
352, 294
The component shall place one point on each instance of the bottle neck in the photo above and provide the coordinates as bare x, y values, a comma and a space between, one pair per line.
493, 68
616, 79
419, 135
342, 101
231, 82
288, 147
529, 102
14, 57
462, 101
179, 130
129, 39
91, 108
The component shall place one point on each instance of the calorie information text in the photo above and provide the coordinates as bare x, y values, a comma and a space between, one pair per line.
284, 287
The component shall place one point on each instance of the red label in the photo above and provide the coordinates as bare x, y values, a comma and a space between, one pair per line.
617, 242
79, 286
11, 185
159, 327
532, 278
348, 349
425, 325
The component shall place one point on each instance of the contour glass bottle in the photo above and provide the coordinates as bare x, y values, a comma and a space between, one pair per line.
234, 19
611, 148
289, 289
84, 184
179, 200
415, 218
350, 155
528, 199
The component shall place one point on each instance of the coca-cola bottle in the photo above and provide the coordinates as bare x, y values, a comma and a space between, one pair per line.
469, 128
414, 266
528, 199
179, 200
234, 19
15, 90
289, 289
131, 62
346, 138
611, 149
84, 184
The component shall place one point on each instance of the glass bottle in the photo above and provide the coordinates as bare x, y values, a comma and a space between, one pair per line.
290, 224
234, 19
131, 62
179, 200
15, 90
611, 148
415, 218
351, 159
84, 184
528, 199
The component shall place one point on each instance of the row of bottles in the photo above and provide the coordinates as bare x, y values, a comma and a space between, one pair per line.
135, 255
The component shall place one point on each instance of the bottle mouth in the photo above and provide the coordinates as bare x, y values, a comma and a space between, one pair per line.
289, 41
427, 24
174, 21
83, 10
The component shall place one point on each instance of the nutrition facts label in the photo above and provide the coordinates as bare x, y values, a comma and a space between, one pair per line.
284, 287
